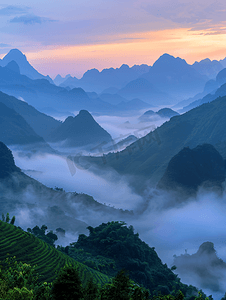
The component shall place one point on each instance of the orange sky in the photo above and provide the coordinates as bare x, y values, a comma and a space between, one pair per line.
74, 36
142, 48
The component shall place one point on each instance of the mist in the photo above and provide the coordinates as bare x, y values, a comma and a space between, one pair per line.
171, 229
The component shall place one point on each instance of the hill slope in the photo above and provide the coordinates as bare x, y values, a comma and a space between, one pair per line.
15, 130
148, 157
27, 248
39, 122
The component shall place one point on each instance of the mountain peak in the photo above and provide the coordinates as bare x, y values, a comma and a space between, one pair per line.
13, 66
207, 248
168, 60
84, 113
14, 54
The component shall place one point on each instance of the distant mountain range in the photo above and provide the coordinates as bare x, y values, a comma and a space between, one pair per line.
169, 79
150, 115
93, 80
41, 94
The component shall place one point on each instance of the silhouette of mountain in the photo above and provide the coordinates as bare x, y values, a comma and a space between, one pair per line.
94, 80
167, 113
39, 122
71, 82
59, 79
7, 164
191, 168
204, 268
175, 77
208, 67
41, 94
220, 92
82, 130
145, 90
13, 66
24, 65
133, 105
150, 115
15, 130
221, 77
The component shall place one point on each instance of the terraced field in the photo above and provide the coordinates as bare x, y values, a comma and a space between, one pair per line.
27, 248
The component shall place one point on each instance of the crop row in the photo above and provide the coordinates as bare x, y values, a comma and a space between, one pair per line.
27, 248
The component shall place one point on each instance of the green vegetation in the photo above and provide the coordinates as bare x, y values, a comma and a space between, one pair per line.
20, 281
149, 156
49, 237
113, 246
31, 250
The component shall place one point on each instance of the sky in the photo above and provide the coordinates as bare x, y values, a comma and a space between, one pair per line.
62, 37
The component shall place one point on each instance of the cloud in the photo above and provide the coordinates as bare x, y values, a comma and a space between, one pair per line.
2, 45
210, 12
30, 19
13, 10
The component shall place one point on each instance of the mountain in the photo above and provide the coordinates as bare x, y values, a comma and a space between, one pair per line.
221, 77
82, 130
94, 80
33, 251
122, 144
52, 207
145, 90
15, 130
208, 67
148, 157
150, 115
118, 246
41, 94
6, 162
175, 77
59, 79
191, 168
13, 66
25, 67
220, 92
133, 105
203, 268
39, 122
69, 81
167, 113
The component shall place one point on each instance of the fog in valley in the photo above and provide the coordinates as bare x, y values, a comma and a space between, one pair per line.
172, 231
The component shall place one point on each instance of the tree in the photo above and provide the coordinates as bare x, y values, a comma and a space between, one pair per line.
13, 220
7, 218
67, 285
91, 291
122, 288
20, 281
